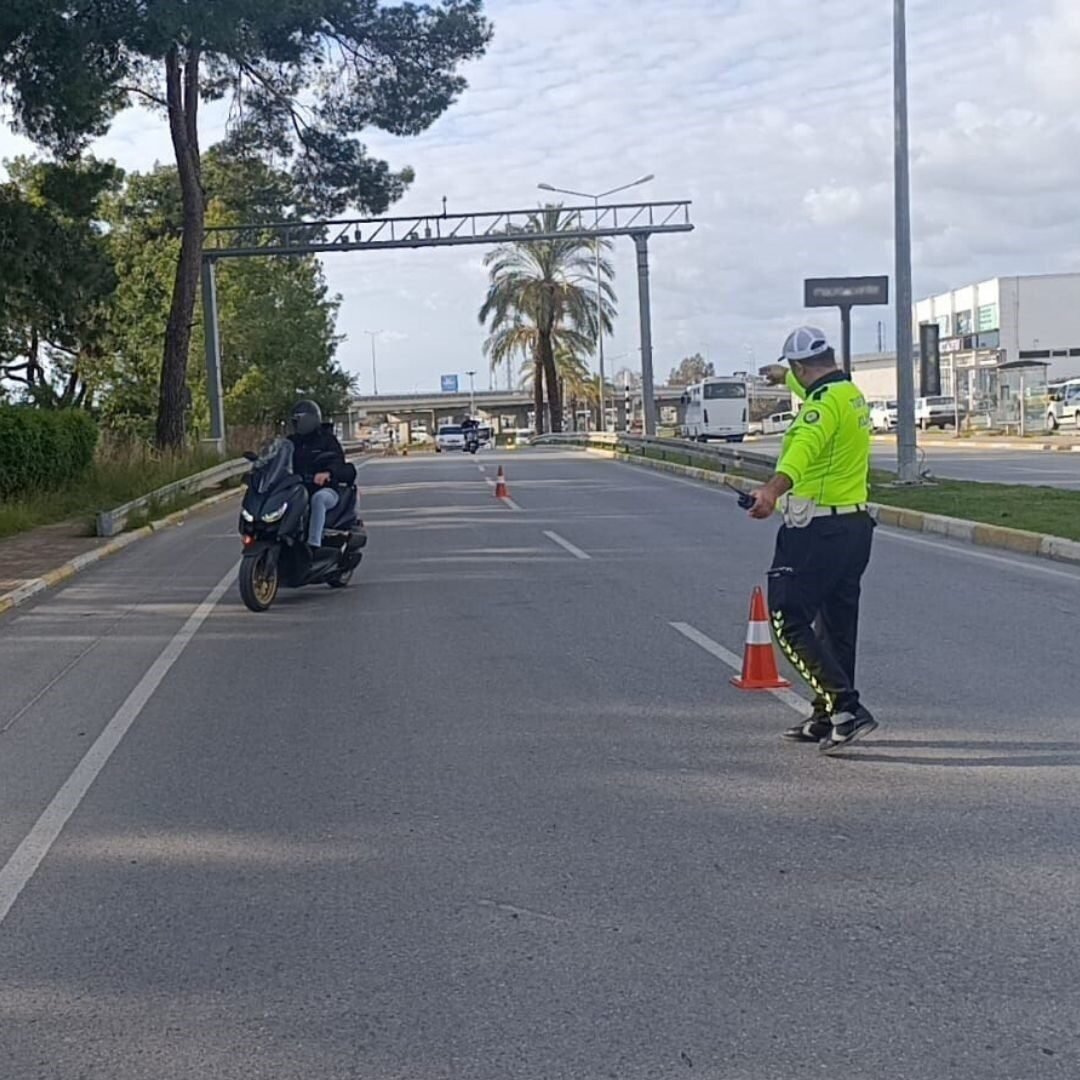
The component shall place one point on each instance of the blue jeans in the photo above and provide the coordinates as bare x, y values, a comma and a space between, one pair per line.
322, 502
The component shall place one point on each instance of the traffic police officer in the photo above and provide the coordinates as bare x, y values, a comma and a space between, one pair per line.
823, 547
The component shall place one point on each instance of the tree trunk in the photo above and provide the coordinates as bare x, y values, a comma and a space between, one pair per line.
538, 391
67, 398
182, 94
551, 378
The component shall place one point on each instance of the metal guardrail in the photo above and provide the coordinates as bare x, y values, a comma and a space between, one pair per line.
112, 522
729, 457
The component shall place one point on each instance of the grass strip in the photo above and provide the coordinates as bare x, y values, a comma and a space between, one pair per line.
111, 482
1048, 510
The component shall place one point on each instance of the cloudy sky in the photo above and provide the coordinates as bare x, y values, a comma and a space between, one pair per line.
774, 117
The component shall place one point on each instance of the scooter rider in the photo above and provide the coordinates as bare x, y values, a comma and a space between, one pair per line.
313, 443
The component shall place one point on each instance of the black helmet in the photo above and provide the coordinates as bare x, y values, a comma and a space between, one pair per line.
306, 418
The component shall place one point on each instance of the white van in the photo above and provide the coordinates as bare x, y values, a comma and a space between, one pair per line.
1064, 407
774, 424
716, 409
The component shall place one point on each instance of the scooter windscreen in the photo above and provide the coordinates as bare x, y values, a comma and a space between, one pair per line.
272, 466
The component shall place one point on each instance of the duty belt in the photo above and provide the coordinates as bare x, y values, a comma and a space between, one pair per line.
836, 511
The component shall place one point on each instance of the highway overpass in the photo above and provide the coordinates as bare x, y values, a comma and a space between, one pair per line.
510, 409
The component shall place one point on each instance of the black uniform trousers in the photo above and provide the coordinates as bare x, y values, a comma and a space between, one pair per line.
814, 589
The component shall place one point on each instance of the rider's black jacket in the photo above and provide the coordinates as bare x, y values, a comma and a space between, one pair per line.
308, 448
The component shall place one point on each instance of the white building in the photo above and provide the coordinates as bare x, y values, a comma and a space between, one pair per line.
1035, 317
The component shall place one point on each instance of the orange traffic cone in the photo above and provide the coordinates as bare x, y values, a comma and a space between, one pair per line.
759, 662
501, 490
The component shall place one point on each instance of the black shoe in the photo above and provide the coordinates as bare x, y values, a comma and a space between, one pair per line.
847, 727
818, 727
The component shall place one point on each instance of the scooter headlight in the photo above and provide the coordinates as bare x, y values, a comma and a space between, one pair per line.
276, 515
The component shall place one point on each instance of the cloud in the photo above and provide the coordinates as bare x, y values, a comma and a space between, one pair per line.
774, 117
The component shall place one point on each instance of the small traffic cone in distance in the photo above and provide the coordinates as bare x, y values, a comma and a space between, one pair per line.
501, 490
759, 671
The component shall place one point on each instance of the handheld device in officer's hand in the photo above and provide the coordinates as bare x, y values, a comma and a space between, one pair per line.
746, 500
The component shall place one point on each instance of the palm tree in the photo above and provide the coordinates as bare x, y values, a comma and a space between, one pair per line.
576, 382
542, 301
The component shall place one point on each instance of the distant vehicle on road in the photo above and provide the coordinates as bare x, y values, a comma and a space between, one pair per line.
883, 415
772, 425
420, 437
939, 412
716, 409
1064, 407
450, 437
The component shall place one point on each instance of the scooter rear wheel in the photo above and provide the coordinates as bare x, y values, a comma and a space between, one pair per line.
259, 580
339, 581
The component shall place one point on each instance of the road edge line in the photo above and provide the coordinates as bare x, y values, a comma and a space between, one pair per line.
19, 869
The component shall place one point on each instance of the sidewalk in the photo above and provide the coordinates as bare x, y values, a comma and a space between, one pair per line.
31, 555
42, 558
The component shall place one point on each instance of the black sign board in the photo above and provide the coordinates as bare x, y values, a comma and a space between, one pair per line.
846, 291
930, 359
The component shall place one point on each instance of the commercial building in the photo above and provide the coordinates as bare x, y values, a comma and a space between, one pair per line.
983, 326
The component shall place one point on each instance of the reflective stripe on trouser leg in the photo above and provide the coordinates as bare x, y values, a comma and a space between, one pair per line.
800, 665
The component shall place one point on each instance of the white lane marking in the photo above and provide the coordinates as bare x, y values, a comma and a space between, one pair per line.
505, 500
565, 544
788, 697
972, 553
16, 873
482, 468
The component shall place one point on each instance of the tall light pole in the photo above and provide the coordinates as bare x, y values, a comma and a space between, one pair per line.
906, 451
373, 334
599, 287
472, 393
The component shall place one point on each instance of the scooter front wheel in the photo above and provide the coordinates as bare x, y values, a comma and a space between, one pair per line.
259, 580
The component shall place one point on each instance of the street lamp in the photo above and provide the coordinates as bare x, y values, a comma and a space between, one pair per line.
599, 292
472, 394
906, 452
373, 334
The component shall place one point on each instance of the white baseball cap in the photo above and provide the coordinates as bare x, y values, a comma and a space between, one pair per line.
804, 344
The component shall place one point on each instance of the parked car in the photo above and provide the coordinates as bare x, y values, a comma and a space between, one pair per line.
939, 412
420, 437
450, 437
883, 415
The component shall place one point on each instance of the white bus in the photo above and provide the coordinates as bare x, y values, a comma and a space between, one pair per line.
716, 409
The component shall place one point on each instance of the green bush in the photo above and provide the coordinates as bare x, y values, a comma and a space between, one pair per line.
43, 449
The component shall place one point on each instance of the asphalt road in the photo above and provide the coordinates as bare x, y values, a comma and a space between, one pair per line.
491, 814
1050, 468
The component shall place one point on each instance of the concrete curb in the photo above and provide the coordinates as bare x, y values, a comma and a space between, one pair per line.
1038, 545
985, 444
69, 569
